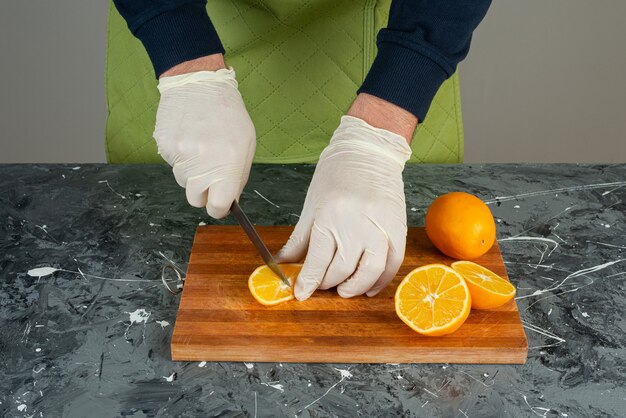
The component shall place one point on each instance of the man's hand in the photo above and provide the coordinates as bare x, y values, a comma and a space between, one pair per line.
204, 132
211, 62
384, 115
354, 217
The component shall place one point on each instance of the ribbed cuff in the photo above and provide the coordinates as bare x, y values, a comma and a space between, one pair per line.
404, 77
223, 75
179, 35
381, 142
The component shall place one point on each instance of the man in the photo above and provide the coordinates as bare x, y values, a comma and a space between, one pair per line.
353, 225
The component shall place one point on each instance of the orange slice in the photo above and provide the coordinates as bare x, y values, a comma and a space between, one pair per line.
433, 300
268, 289
487, 288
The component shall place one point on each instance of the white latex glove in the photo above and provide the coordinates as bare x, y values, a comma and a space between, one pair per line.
204, 132
354, 216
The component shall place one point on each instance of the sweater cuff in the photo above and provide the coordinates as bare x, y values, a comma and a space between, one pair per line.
179, 35
404, 77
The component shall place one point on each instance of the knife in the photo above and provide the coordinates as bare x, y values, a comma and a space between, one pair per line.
247, 226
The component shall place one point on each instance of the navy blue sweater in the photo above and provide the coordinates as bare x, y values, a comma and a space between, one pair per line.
421, 47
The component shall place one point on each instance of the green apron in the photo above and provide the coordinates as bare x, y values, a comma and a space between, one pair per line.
298, 64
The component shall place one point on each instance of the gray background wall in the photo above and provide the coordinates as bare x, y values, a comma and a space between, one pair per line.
544, 82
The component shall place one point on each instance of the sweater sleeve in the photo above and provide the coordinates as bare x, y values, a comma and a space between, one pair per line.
172, 31
420, 48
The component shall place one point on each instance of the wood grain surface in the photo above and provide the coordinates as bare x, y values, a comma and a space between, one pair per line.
218, 319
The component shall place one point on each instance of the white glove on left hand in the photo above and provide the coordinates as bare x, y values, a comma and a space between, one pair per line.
354, 216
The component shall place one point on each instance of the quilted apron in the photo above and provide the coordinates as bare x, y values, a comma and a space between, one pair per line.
298, 63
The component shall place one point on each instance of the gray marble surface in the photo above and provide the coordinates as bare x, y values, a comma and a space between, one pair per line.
92, 338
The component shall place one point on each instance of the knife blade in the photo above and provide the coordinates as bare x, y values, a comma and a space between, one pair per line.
247, 226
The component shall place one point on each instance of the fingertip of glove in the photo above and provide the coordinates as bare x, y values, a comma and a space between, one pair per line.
302, 298
290, 253
280, 255
295, 247
373, 292
284, 255
195, 199
195, 204
180, 180
221, 195
217, 211
346, 294
302, 290
301, 295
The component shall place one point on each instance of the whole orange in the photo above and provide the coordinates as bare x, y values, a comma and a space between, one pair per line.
460, 225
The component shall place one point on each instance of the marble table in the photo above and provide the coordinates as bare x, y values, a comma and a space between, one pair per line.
91, 338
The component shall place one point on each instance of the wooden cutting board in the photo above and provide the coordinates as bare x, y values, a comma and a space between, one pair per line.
218, 319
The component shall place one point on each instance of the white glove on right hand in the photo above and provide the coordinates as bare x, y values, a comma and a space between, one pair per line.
204, 132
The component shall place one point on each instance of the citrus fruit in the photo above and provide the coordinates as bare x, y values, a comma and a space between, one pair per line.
433, 300
487, 288
268, 288
460, 225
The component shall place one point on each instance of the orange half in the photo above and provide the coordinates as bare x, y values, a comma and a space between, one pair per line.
487, 288
433, 300
268, 288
